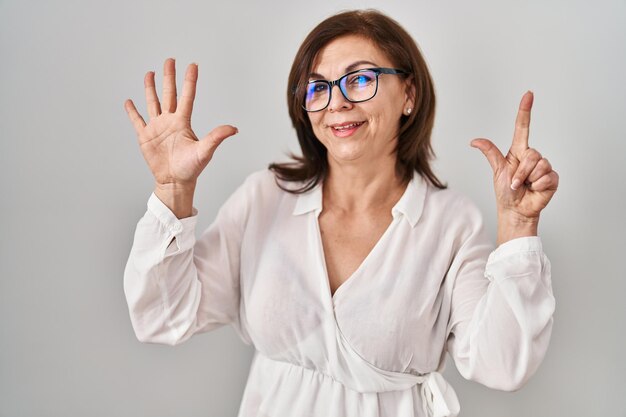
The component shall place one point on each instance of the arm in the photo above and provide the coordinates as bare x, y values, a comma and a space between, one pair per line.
502, 311
176, 286
501, 319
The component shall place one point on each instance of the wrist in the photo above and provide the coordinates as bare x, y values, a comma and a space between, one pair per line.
176, 188
178, 198
512, 225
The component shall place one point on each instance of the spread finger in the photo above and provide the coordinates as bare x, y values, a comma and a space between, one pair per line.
169, 86
152, 101
185, 105
134, 116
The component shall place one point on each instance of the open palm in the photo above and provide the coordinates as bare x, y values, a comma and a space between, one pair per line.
172, 150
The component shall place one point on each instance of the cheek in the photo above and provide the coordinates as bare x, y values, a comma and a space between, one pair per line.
316, 125
386, 118
386, 111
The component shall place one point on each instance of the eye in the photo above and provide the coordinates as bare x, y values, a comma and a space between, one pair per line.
316, 88
361, 79
320, 87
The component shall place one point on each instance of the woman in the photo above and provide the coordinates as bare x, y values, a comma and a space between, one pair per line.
352, 270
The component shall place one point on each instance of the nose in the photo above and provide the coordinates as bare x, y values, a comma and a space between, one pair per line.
337, 100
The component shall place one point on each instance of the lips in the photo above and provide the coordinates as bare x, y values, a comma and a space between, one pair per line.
343, 130
346, 126
341, 127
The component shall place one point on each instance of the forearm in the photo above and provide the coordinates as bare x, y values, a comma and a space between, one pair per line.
501, 342
162, 306
160, 282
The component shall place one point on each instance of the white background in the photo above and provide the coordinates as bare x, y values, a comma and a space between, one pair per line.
74, 183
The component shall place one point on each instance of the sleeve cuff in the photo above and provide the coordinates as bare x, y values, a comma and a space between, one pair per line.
514, 257
514, 246
168, 219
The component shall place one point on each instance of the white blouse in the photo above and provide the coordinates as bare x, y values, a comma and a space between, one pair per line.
432, 284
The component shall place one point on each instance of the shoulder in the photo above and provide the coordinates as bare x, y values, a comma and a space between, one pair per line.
260, 189
258, 178
253, 193
453, 207
449, 199
456, 219
267, 181
262, 182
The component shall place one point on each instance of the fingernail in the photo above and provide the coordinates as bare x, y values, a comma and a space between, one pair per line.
515, 184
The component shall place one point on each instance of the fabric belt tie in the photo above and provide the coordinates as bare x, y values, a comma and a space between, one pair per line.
438, 397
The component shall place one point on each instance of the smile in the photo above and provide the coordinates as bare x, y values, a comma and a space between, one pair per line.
345, 129
347, 126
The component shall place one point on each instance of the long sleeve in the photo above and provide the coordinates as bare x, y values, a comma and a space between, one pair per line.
502, 311
177, 286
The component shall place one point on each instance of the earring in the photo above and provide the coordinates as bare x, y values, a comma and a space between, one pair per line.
408, 111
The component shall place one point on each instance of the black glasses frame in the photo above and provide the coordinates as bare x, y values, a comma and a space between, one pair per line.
337, 82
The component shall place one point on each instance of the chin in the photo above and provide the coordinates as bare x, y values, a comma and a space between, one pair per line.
346, 155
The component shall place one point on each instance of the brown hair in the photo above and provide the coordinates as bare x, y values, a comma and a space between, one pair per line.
413, 150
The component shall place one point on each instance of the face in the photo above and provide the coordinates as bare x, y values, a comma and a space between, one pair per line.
363, 132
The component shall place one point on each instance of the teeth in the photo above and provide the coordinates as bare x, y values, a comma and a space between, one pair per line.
350, 126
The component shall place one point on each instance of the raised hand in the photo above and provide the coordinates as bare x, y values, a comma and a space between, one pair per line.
524, 181
170, 147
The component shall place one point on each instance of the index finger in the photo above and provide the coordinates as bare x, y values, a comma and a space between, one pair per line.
522, 123
185, 105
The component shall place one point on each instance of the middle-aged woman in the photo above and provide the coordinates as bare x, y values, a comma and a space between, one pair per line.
352, 270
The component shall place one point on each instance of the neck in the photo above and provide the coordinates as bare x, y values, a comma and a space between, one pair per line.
358, 189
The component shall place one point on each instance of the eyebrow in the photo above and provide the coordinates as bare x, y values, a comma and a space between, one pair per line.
349, 68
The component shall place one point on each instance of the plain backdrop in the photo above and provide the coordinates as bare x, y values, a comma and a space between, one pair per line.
74, 183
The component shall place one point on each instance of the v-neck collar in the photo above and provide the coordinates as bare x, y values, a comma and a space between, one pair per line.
410, 205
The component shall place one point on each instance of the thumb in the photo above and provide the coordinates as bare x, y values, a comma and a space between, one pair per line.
212, 140
491, 152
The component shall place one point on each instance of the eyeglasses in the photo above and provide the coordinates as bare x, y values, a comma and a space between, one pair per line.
356, 86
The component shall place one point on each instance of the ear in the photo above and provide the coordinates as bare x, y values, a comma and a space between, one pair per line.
410, 92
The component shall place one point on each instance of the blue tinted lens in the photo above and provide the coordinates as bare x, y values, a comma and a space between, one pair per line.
360, 80
359, 86
316, 95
